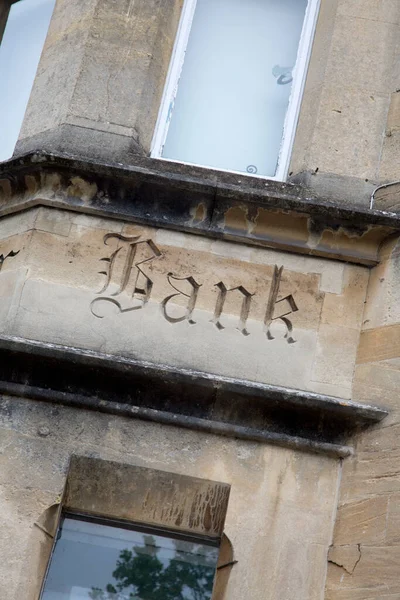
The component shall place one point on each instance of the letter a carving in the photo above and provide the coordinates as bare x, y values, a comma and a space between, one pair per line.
271, 306
4, 258
191, 299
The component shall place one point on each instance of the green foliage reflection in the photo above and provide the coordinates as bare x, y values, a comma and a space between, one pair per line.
140, 574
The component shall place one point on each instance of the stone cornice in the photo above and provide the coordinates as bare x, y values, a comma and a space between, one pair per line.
201, 201
225, 406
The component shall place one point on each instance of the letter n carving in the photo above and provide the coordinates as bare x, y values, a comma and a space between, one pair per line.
244, 311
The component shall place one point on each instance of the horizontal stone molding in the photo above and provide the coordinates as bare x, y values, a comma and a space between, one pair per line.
181, 397
220, 205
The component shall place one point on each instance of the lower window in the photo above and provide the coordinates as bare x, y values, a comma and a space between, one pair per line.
104, 560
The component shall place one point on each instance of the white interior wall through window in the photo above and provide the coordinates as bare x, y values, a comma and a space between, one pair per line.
235, 83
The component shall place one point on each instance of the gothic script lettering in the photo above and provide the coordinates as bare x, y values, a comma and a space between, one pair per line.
219, 307
132, 273
129, 286
4, 258
191, 302
272, 305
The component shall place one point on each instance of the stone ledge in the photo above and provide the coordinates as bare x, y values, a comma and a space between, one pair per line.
185, 398
220, 205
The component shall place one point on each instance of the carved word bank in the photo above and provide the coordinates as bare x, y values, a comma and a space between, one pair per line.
130, 278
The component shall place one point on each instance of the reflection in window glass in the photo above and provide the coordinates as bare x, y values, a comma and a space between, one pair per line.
98, 562
20, 52
234, 90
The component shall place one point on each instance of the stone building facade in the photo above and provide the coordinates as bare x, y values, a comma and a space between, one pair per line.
172, 335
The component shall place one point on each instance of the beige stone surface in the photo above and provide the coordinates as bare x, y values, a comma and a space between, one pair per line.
379, 344
347, 557
362, 521
368, 512
152, 497
335, 356
353, 73
281, 506
362, 54
103, 69
71, 294
393, 120
373, 577
385, 11
349, 130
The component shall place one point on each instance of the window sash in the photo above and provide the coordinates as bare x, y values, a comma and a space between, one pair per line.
126, 534
299, 76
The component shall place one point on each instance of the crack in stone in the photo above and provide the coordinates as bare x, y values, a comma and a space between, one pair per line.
344, 563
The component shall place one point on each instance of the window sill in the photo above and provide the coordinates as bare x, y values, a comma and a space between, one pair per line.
201, 201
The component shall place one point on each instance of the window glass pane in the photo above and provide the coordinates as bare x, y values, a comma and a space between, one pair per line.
99, 562
20, 52
235, 84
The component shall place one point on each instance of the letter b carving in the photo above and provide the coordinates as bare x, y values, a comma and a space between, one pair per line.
132, 273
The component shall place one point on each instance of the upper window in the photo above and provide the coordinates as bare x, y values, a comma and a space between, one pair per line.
20, 51
97, 561
235, 83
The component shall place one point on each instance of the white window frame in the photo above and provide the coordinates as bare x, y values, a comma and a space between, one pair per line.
292, 114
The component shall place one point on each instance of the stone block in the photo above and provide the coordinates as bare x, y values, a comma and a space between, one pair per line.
53, 221
103, 63
346, 309
59, 67
348, 134
379, 344
122, 288
373, 578
361, 522
335, 356
379, 383
362, 54
347, 557
17, 224
385, 11
393, 120
392, 530
306, 124
149, 496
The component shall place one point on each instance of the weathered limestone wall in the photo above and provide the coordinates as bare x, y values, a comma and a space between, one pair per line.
100, 80
187, 301
200, 304
280, 514
343, 123
366, 551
